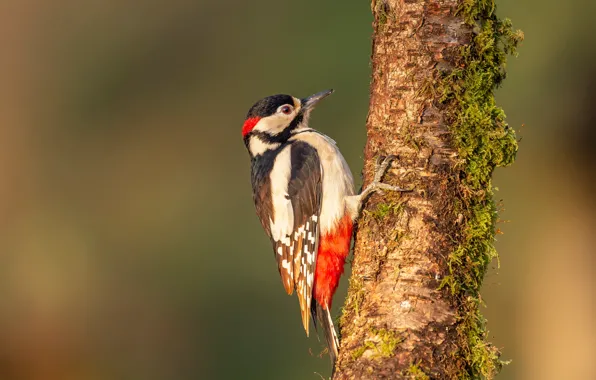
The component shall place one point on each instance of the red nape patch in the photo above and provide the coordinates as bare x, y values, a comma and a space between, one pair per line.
331, 256
249, 124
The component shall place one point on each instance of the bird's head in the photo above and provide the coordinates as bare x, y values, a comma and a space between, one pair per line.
272, 119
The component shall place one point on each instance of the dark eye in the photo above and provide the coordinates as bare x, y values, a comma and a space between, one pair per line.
285, 109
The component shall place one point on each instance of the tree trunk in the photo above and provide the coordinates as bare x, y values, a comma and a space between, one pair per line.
420, 257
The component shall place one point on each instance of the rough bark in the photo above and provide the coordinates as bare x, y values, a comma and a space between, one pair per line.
412, 307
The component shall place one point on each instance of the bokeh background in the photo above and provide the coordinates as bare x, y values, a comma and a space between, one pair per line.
129, 248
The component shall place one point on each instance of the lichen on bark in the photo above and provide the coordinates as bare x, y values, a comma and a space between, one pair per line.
420, 258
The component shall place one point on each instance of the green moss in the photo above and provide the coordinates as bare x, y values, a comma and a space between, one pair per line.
384, 210
409, 139
484, 141
416, 373
353, 303
388, 342
367, 345
476, 251
483, 358
358, 352
383, 12
381, 342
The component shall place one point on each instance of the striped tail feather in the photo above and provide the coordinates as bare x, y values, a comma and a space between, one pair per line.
325, 320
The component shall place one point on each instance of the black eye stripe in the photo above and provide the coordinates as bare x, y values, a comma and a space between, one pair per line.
281, 137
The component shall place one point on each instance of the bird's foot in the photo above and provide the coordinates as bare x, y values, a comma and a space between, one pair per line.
376, 185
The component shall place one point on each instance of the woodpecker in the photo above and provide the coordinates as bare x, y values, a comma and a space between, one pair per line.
304, 196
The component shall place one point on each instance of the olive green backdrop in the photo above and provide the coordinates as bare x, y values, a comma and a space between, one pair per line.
129, 248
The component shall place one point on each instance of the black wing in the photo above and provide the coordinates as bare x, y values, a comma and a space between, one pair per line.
291, 219
305, 193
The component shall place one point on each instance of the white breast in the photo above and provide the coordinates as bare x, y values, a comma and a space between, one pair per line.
338, 182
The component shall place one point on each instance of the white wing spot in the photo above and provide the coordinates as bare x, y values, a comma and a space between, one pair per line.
299, 232
309, 257
286, 240
285, 264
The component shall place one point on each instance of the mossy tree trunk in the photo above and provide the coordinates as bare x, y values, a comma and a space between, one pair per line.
413, 304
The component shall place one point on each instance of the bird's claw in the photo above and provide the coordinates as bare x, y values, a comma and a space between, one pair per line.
381, 165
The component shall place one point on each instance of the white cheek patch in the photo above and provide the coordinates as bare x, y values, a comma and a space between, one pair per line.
273, 124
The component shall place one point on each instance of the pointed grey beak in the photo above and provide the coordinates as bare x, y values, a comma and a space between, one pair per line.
310, 102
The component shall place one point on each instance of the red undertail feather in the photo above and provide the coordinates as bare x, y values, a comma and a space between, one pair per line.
334, 247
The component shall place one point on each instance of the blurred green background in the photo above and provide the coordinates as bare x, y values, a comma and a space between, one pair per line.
129, 248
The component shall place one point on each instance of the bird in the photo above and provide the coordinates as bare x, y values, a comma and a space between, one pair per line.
303, 191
